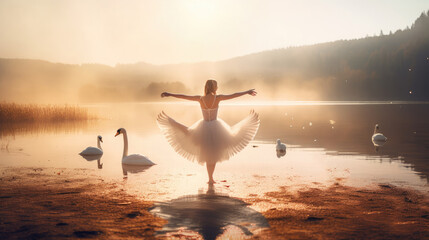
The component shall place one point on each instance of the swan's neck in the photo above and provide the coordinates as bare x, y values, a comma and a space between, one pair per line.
125, 144
375, 130
98, 143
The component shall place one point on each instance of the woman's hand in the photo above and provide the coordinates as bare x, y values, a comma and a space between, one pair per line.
165, 94
252, 92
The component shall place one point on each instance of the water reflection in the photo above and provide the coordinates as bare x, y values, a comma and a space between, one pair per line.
94, 157
209, 214
348, 129
378, 144
339, 130
280, 153
126, 168
23, 128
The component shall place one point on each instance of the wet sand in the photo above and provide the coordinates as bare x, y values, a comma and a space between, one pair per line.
341, 212
54, 203
61, 203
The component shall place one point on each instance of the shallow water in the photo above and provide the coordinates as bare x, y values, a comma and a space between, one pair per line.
327, 143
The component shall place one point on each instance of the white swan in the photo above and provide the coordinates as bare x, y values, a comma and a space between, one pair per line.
280, 146
280, 149
133, 159
378, 137
94, 150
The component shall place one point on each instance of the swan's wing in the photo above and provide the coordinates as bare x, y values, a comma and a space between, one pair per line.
379, 137
137, 159
91, 151
281, 147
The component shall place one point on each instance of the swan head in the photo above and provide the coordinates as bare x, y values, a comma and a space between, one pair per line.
119, 131
376, 128
100, 138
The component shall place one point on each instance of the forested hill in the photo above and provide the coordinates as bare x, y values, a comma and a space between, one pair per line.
385, 67
393, 66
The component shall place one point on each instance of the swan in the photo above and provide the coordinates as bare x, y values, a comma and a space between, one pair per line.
378, 137
94, 150
133, 159
281, 147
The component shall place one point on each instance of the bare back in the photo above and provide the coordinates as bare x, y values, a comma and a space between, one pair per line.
209, 101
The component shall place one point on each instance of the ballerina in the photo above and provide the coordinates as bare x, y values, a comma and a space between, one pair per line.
209, 140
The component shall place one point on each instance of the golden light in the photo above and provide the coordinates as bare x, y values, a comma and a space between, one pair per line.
200, 9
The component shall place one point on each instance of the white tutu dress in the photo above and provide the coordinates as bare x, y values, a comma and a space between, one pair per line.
209, 140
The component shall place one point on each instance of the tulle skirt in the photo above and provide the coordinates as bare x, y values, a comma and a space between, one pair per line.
209, 141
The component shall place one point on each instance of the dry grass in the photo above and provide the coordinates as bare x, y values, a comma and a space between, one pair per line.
12, 112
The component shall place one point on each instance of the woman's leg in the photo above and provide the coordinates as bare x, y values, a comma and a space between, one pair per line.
210, 170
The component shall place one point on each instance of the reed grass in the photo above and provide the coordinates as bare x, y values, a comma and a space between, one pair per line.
13, 112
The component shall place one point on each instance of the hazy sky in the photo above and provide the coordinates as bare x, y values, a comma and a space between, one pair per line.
175, 31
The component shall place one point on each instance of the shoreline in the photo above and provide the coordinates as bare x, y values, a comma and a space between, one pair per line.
52, 203
342, 212
48, 203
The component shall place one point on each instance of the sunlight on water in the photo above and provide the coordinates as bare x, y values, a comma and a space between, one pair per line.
289, 103
326, 145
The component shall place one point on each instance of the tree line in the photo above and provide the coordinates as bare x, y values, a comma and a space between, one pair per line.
385, 67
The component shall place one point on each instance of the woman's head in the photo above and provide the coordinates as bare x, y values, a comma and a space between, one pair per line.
211, 87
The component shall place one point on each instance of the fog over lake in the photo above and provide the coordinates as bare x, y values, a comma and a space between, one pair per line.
326, 141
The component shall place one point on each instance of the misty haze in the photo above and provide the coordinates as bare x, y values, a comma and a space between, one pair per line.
316, 126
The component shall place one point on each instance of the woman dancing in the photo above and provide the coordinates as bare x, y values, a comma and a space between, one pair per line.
210, 140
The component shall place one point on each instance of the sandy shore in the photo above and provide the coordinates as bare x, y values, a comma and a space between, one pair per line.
340, 212
62, 203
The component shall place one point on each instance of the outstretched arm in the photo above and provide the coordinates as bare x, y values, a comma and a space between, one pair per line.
182, 96
237, 94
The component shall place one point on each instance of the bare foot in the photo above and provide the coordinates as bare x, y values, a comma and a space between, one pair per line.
211, 181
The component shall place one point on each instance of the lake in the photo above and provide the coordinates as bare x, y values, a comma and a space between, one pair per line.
327, 143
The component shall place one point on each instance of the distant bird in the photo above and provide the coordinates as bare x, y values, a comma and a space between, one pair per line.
280, 149
280, 146
378, 137
94, 150
133, 159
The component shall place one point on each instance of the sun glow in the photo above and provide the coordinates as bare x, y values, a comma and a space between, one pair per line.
177, 31
201, 10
